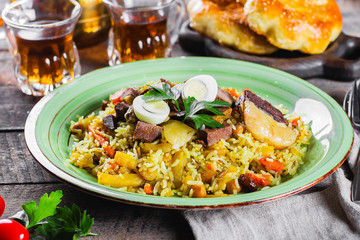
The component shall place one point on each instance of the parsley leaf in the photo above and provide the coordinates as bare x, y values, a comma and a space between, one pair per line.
163, 91
47, 207
192, 106
67, 224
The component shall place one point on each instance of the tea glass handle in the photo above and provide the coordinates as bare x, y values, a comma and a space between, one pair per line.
10, 39
179, 19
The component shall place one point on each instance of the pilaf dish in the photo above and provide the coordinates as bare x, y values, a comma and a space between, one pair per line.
191, 139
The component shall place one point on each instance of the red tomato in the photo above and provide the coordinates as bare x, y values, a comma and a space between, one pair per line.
12, 230
2, 206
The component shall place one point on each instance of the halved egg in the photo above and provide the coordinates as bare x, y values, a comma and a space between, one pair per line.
154, 112
201, 87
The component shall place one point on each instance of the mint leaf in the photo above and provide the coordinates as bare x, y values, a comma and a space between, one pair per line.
67, 224
47, 207
192, 106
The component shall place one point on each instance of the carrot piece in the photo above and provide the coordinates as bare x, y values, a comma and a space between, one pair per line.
295, 121
113, 165
233, 92
210, 166
116, 97
272, 165
148, 188
260, 179
108, 150
98, 137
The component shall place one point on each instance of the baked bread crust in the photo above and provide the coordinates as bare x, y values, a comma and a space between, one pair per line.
225, 22
305, 25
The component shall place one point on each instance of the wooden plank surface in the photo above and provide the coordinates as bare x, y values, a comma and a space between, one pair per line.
114, 220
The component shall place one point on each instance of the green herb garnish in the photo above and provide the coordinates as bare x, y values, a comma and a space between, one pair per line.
45, 220
192, 106
163, 91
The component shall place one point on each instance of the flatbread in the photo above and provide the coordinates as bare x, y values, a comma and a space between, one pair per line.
305, 25
225, 22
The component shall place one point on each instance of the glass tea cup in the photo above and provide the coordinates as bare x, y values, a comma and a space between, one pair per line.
40, 38
143, 29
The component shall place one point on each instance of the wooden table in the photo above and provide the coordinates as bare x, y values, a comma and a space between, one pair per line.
22, 179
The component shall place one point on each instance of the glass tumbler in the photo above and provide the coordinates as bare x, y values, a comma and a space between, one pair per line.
143, 29
40, 38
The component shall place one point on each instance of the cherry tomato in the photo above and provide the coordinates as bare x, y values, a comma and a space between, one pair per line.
12, 230
2, 206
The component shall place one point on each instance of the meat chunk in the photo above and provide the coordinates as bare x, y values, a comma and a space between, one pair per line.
264, 106
129, 95
265, 122
110, 121
224, 96
130, 115
212, 136
120, 109
147, 132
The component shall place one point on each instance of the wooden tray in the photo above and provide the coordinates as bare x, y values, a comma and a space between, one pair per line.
341, 61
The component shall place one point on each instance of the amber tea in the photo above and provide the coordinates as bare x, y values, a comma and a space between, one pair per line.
46, 61
140, 39
40, 37
143, 29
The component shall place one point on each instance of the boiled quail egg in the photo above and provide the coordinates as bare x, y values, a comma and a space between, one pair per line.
201, 87
154, 112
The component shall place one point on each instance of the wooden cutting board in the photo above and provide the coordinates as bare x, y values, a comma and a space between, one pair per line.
341, 61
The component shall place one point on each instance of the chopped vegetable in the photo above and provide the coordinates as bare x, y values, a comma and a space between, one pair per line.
199, 191
192, 106
122, 180
125, 160
260, 179
116, 97
108, 150
295, 121
233, 92
272, 164
148, 188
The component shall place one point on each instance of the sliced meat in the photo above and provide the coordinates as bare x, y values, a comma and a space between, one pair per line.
130, 115
120, 109
248, 183
212, 136
265, 122
147, 132
224, 96
129, 95
110, 121
264, 106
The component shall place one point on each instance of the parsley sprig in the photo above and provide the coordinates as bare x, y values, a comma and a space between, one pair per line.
192, 106
163, 91
45, 220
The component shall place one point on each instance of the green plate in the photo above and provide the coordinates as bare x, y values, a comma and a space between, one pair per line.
47, 135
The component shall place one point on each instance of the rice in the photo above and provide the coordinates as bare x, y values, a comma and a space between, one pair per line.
222, 163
